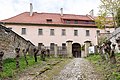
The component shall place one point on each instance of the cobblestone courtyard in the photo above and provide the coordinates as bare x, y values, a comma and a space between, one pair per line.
78, 69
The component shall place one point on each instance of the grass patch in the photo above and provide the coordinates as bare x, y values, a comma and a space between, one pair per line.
9, 66
108, 71
94, 58
44, 71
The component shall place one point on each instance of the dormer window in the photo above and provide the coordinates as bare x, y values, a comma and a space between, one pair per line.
75, 22
49, 20
68, 21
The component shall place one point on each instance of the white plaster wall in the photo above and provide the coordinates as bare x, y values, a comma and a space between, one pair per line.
46, 39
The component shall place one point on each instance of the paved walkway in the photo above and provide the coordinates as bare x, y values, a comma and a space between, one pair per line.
78, 69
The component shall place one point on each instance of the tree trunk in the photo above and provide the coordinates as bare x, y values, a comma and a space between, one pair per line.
112, 57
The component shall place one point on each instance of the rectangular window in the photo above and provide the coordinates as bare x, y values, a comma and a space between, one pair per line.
40, 31
63, 32
52, 32
75, 32
63, 46
75, 22
23, 31
49, 20
68, 21
52, 46
87, 33
98, 32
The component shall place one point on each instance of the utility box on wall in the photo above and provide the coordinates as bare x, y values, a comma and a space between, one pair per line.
91, 50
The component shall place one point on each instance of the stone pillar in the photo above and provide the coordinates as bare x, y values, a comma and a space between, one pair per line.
1, 62
82, 54
87, 45
69, 48
55, 49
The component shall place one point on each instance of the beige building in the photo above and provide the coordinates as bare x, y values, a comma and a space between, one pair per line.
55, 28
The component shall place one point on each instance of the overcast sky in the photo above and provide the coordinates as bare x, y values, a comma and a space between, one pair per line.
10, 8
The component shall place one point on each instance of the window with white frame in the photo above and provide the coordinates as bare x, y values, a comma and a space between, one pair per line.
87, 33
75, 22
63, 32
52, 33
40, 31
23, 32
75, 32
98, 32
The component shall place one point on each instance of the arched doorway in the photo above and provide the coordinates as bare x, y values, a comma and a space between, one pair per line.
76, 50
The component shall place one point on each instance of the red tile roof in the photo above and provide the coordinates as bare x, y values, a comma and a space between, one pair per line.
40, 18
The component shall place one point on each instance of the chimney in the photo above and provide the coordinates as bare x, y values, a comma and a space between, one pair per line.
61, 11
31, 9
92, 13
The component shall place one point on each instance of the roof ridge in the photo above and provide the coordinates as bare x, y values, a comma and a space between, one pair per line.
57, 13
90, 17
41, 17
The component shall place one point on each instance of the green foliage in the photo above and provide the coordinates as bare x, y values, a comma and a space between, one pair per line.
118, 18
10, 71
8, 60
110, 7
94, 58
9, 66
101, 40
101, 21
116, 75
83, 48
109, 71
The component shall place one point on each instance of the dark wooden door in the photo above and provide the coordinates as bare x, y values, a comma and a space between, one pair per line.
76, 50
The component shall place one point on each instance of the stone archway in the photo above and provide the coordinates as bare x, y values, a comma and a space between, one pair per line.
76, 50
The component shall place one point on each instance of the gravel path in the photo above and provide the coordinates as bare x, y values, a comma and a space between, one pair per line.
78, 69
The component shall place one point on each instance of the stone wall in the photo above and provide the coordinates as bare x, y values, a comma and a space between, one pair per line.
9, 40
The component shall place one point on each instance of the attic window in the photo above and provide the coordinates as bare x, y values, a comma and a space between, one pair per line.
68, 21
75, 22
49, 20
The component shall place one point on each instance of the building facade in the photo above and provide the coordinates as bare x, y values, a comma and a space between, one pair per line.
48, 28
